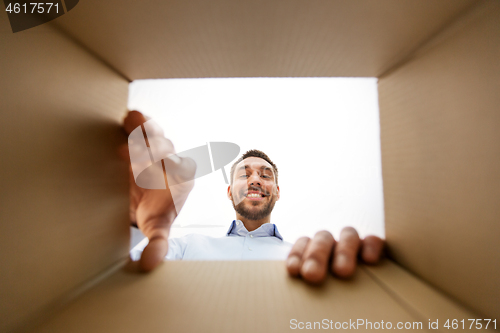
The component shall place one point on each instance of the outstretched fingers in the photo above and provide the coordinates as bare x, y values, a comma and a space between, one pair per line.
294, 260
372, 249
310, 258
345, 254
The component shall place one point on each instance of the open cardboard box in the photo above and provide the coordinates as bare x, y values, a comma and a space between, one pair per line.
64, 209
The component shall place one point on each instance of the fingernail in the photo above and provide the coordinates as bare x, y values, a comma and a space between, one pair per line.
310, 266
293, 261
341, 261
369, 255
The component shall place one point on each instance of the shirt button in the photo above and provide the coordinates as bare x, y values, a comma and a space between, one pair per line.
237, 222
249, 249
251, 236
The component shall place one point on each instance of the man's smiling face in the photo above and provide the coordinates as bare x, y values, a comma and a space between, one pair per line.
254, 190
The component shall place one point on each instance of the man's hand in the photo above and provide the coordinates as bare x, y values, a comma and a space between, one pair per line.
313, 258
154, 211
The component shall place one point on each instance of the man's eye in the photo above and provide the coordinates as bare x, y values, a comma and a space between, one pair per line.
244, 176
266, 176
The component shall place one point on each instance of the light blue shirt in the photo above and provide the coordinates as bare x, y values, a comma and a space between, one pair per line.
264, 243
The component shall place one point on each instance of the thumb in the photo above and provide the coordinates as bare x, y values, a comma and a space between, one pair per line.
132, 120
154, 253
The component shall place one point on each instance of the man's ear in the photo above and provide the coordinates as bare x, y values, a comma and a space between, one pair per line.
278, 192
229, 194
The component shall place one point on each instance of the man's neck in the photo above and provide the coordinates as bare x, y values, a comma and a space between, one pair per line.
251, 225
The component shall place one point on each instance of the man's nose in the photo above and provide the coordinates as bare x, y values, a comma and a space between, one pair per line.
254, 179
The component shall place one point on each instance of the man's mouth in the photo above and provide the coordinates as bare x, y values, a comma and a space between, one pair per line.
255, 195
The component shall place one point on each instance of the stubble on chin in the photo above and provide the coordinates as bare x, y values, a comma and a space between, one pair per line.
254, 214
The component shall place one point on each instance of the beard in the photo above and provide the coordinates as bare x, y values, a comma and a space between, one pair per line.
254, 214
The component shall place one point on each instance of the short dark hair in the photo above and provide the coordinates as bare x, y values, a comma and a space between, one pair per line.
259, 154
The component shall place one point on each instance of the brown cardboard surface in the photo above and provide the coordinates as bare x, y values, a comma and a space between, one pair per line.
440, 124
64, 206
222, 296
421, 299
64, 211
280, 38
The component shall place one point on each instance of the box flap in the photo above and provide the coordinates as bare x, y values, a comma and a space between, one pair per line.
280, 38
227, 296
440, 134
64, 207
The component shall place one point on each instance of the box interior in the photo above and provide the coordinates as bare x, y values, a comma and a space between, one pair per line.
65, 208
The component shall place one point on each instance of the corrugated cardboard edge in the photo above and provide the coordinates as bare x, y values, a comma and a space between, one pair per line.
440, 158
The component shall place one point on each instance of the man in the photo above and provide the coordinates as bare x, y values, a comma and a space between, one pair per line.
253, 191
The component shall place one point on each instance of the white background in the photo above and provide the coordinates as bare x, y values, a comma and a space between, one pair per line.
322, 133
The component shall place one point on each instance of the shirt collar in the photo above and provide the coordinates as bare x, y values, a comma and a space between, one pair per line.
237, 228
